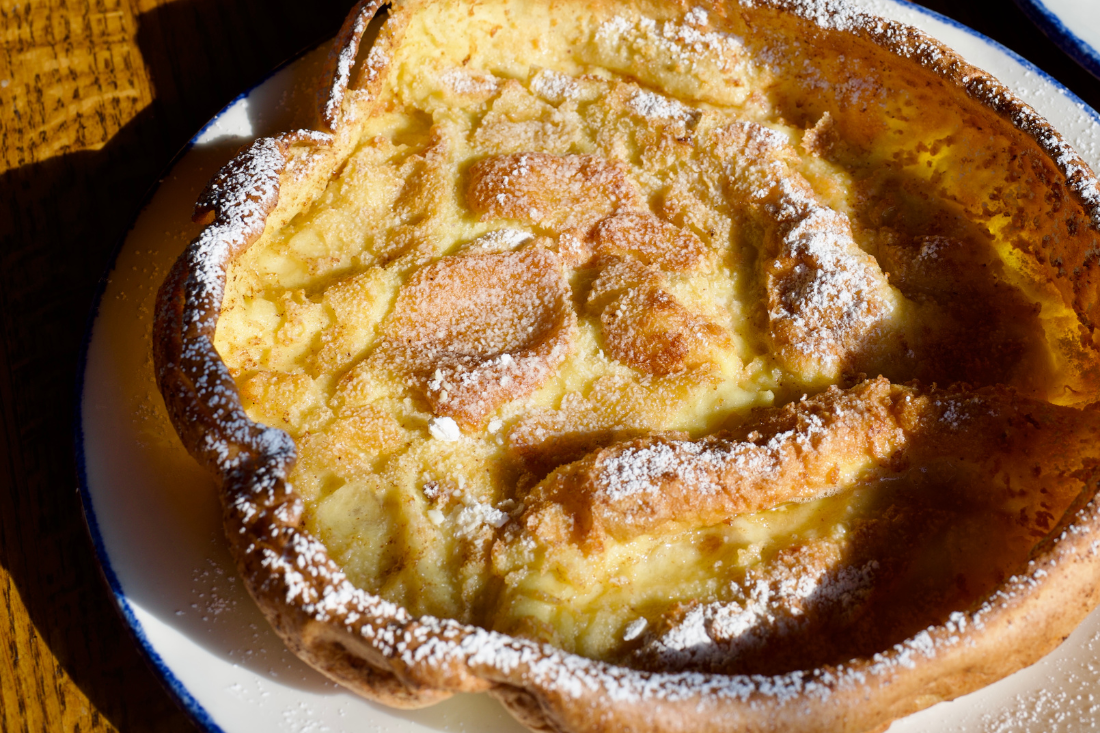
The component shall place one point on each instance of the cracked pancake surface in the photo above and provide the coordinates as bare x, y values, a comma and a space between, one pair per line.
529, 279
643, 347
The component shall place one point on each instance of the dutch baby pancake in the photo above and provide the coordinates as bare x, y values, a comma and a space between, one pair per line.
651, 366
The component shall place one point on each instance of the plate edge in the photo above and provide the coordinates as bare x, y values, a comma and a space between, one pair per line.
1069, 42
173, 685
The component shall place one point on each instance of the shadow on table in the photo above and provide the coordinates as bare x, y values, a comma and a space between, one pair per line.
60, 220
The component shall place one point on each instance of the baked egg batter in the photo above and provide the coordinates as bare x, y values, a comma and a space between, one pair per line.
598, 338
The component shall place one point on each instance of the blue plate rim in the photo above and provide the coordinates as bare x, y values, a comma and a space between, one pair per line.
1057, 31
175, 687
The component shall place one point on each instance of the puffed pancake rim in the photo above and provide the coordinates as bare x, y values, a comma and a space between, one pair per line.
594, 355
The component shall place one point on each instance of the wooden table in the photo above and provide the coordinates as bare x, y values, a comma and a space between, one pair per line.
95, 99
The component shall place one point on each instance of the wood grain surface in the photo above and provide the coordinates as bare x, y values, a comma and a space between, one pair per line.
95, 100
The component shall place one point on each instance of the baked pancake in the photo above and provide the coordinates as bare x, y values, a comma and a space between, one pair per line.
651, 367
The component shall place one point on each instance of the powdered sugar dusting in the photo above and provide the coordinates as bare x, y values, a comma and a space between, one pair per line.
347, 48
241, 196
553, 86
767, 604
684, 42
498, 240
463, 81
838, 15
476, 330
473, 516
428, 644
644, 470
696, 17
833, 297
634, 629
657, 107
444, 429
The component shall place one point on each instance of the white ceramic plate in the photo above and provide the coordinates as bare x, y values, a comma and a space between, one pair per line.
156, 522
1072, 24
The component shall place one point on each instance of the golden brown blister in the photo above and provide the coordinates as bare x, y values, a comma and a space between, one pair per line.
829, 303
353, 445
650, 240
477, 331
645, 326
806, 450
559, 192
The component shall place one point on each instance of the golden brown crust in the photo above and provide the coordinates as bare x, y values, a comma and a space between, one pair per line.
342, 61
378, 649
804, 450
828, 301
648, 239
562, 192
644, 325
479, 330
